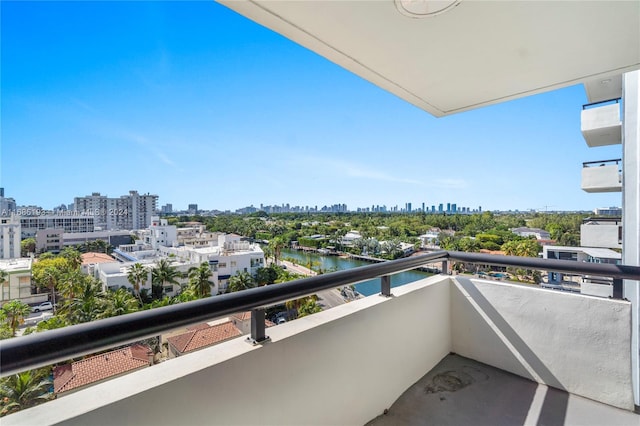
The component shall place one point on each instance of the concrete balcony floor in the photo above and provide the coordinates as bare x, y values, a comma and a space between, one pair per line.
461, 391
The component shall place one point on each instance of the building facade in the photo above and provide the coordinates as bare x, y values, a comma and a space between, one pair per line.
10, 230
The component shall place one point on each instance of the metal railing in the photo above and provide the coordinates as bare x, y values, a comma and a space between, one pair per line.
601, 162
53, 346
608, 101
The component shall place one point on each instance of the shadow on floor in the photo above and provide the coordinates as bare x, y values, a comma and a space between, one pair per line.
461, 391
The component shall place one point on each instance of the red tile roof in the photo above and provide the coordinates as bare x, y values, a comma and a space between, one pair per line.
92, 257
246, 316
99, 367
198, 337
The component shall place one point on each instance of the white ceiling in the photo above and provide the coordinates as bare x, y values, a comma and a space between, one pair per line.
477, 53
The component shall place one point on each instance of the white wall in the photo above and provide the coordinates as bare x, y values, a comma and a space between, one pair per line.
600, 235
565, 340
343, 366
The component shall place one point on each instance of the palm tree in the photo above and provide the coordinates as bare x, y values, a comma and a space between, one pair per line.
162, 275
71, 283
88, 303
119, 302
310, 306
276, 244
16, 311
199, 280
24, 390
241, 281
73, 256
137, 276
50, 278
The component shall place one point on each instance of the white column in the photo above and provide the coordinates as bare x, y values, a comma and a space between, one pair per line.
631, 210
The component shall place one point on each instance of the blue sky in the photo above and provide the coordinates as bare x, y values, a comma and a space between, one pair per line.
196, 104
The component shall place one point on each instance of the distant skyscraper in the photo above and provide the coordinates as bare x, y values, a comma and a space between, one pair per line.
440, 208
454, 208
167, 208
193, 209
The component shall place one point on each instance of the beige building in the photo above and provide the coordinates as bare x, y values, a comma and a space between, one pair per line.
18, 283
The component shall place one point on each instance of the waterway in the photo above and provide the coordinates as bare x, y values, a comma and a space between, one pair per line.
335, 263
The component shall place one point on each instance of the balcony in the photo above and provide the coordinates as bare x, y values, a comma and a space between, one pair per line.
601, 176
605, 232
600, 124
547, 352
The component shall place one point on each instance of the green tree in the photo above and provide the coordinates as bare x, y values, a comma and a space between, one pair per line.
310, 306
199, 280
241, 281
24, 390
4, 279
276, 245
16, 311
138, 276
266, 275
119, 302
73, 256
28, 245
88, 303
162, 275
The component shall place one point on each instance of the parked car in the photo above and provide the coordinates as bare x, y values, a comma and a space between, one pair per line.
44, 306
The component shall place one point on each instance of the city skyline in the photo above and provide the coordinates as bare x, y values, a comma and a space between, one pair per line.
194, 103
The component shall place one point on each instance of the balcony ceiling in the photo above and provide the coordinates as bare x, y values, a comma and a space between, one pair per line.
474, 54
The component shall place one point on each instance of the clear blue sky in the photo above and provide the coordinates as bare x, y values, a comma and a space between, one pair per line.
196, 104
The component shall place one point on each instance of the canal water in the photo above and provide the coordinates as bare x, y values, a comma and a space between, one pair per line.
335, 263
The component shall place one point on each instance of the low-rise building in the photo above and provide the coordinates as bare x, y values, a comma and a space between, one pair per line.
68, 378
18, 285
592, 285
91, 259
540, 234
201, 336
49, 240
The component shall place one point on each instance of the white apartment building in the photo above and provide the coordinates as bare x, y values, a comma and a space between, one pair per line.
229, 257
18, 283
9, 237
133, 211
114, 275
160, 233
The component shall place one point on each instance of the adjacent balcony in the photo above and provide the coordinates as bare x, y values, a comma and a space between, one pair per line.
604, 232
602, 176
601, 124
523, 355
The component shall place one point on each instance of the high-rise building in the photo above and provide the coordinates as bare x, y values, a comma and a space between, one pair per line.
9, 237
131, 211
7, 205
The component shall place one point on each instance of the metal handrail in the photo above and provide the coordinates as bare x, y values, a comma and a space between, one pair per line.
601, 162
53, 346
616, 100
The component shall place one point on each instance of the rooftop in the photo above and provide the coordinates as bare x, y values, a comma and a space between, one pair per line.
203, 335
99, 367
91, 257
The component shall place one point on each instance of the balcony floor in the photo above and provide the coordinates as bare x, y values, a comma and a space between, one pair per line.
461, 391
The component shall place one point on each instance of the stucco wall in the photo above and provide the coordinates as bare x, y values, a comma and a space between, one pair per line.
569, 341
342, 366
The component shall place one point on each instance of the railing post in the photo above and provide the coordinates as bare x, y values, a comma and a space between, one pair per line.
445, 267
385, 285
617, 288
258, 327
